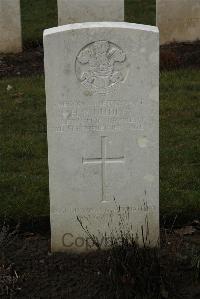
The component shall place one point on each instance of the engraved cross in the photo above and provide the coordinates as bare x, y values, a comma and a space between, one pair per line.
103, 161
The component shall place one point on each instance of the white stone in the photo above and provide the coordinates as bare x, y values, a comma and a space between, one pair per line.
10, 26
78, 11
103, 127
178, 20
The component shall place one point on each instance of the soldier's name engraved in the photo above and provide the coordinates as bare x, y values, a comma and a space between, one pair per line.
115, 115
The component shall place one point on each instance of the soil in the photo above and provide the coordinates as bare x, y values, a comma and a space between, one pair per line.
30, 61
36, 273
180, 55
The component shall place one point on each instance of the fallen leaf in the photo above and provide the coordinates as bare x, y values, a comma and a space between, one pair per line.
9, 87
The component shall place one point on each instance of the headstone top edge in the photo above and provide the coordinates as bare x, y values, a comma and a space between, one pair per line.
88, 25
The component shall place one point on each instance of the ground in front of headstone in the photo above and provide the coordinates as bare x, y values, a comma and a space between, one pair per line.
180, 55
29, 62
29, 270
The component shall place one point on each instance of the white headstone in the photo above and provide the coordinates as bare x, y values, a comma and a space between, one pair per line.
178, 20
102, 91
10, 26
78, 11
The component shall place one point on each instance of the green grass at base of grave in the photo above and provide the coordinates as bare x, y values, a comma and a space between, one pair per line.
23, 164
179, 143
38, 15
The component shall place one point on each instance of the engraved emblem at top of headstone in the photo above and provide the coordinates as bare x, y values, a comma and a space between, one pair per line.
100, 66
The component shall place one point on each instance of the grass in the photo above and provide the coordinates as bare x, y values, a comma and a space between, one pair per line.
24, 170
179, 147
38, 15
23, 164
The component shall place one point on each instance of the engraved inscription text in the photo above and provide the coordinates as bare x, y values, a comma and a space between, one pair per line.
110, 115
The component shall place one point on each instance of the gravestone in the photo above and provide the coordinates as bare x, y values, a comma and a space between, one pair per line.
10, 26
102, 91
178, 20
78, 11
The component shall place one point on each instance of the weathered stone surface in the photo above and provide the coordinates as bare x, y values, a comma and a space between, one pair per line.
78, 11
10, 26
102, 85
178, 20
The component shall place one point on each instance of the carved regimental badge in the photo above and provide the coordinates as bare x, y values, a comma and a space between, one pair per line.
100, 66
